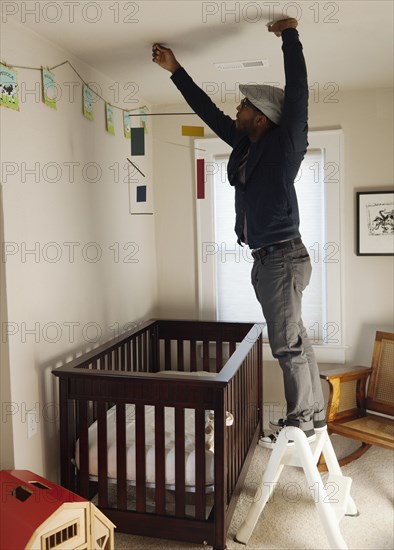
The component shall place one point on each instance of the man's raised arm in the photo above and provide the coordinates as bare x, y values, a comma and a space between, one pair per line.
202, 105
294, 122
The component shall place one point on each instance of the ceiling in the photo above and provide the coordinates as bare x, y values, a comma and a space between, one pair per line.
347, 44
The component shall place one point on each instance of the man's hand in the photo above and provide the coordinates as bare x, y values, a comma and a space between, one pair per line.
281, 25
164, 58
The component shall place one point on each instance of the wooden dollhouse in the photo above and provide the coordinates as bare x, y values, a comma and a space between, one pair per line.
38, 514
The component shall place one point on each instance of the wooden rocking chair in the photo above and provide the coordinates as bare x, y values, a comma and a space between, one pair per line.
351, 412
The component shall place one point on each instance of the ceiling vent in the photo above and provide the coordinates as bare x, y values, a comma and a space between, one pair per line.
238, 65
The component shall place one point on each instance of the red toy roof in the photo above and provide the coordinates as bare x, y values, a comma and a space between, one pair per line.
26, 505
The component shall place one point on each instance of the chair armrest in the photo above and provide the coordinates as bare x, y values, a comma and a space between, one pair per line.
345, 372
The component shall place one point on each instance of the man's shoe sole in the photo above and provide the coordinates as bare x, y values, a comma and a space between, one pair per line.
270, 445
318, 428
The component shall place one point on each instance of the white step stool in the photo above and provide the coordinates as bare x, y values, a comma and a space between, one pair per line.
331, 507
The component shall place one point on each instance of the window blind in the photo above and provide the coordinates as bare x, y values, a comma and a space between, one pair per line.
236, 300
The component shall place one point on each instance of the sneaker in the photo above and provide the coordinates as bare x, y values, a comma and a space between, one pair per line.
269, 441
318, 425
277, 423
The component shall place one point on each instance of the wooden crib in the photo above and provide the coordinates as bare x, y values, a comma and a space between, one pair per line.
126, 371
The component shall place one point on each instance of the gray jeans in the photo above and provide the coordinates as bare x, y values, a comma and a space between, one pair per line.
279, 279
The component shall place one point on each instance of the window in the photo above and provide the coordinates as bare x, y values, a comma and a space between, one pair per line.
225, 291
56, 539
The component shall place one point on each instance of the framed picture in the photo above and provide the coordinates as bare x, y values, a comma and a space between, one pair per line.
375, 223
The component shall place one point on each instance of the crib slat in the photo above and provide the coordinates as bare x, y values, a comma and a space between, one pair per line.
134, 344
83, 448
256, 392
242, 428
200, 463
247, 411
146, 349
116, 357
221, 489
92, 413
250, 374
154, 351
248, 368
102, 454
160, 461
68, 436
259, 368
252, 415
219, 355
180, 363
234, 433
143, 352
140, 457
121, 455
238, 442
205, 355
193, 356
167, 354
122, 358
179, 462
140, 360
234, 436
230, 432
128, 356
245, 416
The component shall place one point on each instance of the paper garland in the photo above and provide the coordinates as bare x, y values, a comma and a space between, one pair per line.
87, 96
109, 119
9, 88
144, 120
9, 98
126, 124
49, 88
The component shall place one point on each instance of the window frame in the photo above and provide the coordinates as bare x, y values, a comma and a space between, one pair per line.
331, 252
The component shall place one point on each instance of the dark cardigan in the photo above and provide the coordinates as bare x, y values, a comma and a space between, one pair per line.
268, 198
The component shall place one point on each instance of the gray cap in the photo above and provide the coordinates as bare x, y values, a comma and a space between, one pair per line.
268, 99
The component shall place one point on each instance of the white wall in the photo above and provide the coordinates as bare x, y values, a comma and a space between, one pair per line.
58, 309
39, 296
366, 119
175, 220
7, 445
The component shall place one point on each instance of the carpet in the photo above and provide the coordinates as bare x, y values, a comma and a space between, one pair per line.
290, 519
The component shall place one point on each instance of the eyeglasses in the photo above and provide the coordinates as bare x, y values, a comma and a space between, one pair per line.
246, 103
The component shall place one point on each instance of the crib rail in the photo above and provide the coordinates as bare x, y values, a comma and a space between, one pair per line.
132, 351
198, 345
125, 372
243, 396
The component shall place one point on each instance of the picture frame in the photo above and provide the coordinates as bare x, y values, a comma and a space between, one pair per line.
375, 223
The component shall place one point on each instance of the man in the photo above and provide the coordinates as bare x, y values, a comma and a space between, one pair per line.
269, 141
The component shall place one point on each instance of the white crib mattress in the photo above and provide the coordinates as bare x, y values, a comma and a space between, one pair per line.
150, 445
